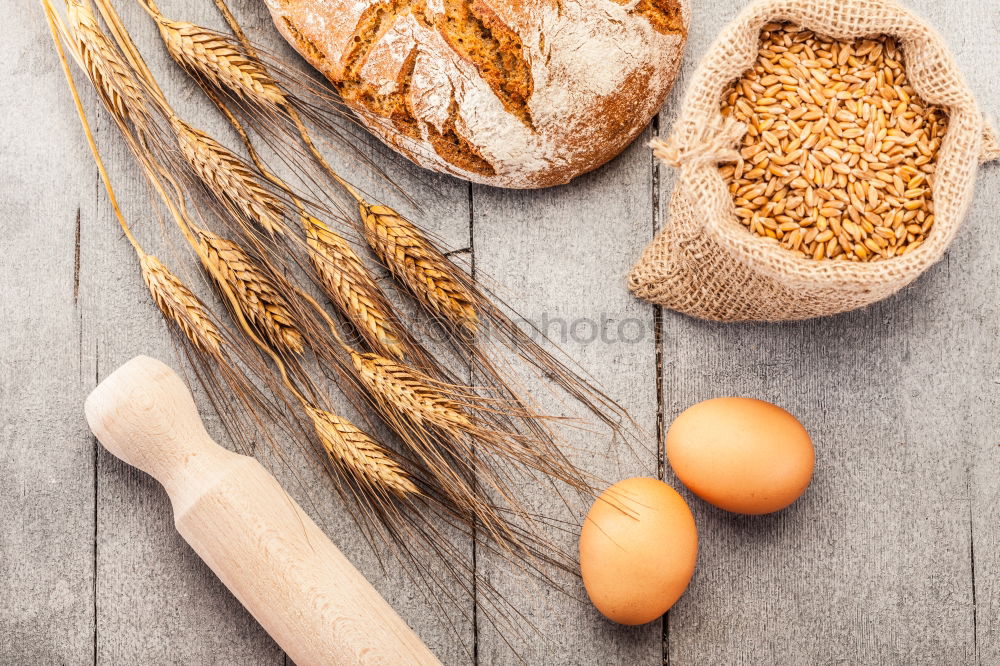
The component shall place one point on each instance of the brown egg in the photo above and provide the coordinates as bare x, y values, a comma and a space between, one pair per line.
742, 455
638, 549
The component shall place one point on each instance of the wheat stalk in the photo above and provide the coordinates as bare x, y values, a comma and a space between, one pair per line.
404, 249
440, 423
228, 175
409, 392
218, 167
218, 59
359, 453
257, 295
420, 266
109, 74
103, 63
180, 305
349, 284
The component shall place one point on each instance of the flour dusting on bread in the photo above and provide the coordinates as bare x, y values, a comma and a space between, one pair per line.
513, 93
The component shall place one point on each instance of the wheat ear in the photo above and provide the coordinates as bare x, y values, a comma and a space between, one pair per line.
344, 278
180, 305
259, 305
256, 293
228, 175
350, 286
171, 295
399, 244
103, 63
422, 268
407, 391
359, 453
218, 59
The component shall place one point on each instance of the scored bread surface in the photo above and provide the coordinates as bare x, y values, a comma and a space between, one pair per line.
513, 93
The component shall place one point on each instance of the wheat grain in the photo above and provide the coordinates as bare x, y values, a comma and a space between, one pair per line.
257, 296
408, 391
360, 454
104, 65
220, 61
180, 305
414, 261
348, 283
227, 175
839, 158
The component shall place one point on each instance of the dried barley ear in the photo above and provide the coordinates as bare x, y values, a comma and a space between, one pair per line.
444, 427
217, 58
104, 65
410, 392
256, 294
370, 463
181, 306
413, 260
350, 286
229, 178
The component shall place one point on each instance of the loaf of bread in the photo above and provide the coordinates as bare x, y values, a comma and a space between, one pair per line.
512, 93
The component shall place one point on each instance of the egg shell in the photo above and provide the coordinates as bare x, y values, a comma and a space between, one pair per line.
742, 455
638, 548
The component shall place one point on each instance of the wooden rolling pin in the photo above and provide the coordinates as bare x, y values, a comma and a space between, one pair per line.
253, 535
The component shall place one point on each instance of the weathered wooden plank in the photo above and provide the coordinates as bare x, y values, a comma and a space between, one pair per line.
47, 457
893, 553
873, 564
444, 212
971, 274
983, 401
297, 471
562, 255
156, 601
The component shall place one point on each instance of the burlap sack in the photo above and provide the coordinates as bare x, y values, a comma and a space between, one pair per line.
708, 265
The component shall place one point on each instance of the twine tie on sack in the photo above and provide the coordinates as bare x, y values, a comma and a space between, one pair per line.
991, 144
714, 144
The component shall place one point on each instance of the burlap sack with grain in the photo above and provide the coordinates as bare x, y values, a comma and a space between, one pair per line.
708, 265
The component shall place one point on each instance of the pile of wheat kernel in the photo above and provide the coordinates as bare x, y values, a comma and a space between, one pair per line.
839, 158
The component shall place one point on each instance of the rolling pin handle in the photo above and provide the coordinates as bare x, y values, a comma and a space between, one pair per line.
145, 415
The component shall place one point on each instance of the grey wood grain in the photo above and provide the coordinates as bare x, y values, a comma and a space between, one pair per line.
971, 273
156, 601
443, 211
46, 454
871, 565
892, 556
562, 255
151, 587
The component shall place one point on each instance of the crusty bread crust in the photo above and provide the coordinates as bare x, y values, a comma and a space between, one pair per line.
511, 93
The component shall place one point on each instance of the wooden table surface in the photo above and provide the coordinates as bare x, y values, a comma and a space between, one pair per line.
891, 557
